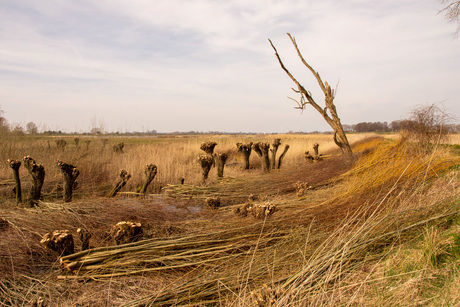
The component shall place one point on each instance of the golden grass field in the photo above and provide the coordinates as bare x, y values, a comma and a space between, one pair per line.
382, 232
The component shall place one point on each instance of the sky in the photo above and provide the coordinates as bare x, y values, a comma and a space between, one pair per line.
207, 65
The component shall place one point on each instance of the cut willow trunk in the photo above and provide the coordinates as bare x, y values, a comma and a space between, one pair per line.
220, 159
283, 154
15, 164
245, 150
70, 174
150, 173
329, 112
316, 149
206, 164
208, 147
124, 177
275, 145
37, 172
262, 149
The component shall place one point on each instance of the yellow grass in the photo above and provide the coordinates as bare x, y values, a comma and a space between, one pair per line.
335, 245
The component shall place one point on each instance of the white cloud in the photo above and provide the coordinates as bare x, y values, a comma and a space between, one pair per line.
177, 58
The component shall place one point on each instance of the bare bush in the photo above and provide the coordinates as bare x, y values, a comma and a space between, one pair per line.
428, 125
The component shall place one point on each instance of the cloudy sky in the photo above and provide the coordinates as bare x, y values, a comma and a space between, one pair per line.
207, 65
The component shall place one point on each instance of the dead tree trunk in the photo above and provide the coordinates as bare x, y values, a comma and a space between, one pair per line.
70, 174
37, 171
206, 164
329, 112
280, 159
245, 150
15, 164
220, 159
150, 173
262, 149
124, 177
275, 145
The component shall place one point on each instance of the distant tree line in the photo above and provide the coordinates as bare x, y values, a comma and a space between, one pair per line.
394, 126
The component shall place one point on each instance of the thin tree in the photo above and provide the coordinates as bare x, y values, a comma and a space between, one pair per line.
329, 112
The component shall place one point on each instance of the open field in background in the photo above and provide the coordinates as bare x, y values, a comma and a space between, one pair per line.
384, 232
175, 157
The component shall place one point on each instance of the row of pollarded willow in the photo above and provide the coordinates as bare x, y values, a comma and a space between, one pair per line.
219, 159
70, 174
37, 172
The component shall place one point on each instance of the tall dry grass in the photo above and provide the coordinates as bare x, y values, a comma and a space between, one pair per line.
175, 158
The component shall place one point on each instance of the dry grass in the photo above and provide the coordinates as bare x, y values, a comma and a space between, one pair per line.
335, 245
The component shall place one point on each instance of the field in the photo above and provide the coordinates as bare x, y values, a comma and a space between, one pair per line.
382, 232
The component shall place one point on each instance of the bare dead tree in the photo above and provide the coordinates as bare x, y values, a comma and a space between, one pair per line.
37, 172
15, 164
70, 174
329, 112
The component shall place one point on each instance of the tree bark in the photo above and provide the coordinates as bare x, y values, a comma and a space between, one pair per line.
150, 173
70, 174
245, 150
124, 177
37, 172
275, 145
220, 159
280, 160
15, 164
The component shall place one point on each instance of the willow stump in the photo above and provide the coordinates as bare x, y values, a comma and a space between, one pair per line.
208, 147
61, 144
262, 149
315, 149
220, 159
245, 150
84, 237
126, 232
275, 145
150, 173
124, 177
118, 148
70, 174
60, 241
15, 164
280, 159
206, 164
37, 172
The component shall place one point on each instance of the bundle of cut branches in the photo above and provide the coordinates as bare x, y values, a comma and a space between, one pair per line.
168, 253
